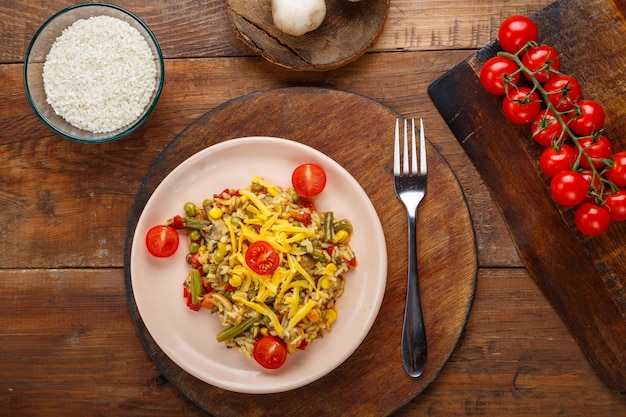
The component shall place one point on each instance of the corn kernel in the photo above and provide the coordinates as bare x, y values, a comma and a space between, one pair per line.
340, 236
324, 283
264, 331
331, 268
215, 212
331, 315
222, 248
235, 280
272, 191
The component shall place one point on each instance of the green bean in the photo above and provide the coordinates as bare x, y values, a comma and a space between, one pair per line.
328, 226
193, 223
344, 225
195, 286
235, 330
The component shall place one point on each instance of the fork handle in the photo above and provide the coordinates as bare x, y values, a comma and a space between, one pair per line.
413, 332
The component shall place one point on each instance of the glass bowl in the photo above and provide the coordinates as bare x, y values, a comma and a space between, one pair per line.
37, 53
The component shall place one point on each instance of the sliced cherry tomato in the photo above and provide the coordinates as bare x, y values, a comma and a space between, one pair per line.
515, 32
499, 74
546, 128
617, 174
569, 188
564, 91
543, 61
162, 241
591, 219
270, 352
521, 105
308, 180
616, 203
598, 149
262, 258
554, 160
587, 118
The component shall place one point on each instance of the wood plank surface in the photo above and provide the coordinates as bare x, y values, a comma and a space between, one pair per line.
68, 345
584, 278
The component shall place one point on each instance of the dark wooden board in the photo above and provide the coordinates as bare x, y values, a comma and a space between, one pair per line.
347, 32
357, 132
584, 278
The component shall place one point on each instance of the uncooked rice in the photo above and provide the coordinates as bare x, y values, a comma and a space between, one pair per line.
100, 74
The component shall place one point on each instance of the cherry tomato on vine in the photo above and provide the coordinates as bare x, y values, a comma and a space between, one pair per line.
564, 91
546, 128
569, 188
598, 149
515, 32
162, 241
587, 118
616, 203
553, 161
270, 352
521, 105
543, 61
592, 219
617, 174
262, 258
594, 184
498, 74
308, 180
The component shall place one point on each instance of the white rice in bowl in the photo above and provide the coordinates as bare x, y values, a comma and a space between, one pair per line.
100, 74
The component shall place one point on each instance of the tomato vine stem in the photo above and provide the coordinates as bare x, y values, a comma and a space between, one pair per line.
559, 115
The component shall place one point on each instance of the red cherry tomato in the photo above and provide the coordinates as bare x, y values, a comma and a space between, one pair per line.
546, 128
499, 74
616, 203
598, 149
617, 174
515, 32
569, 188
308, 180
587, 118
553, 161
543, 61
591, 219
594, 184
262, 258
521, 105
270, 352
564, 91
162, 241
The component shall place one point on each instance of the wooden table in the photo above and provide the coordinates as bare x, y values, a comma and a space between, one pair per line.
68, 343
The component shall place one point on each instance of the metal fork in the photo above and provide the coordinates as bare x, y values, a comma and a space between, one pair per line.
410, 187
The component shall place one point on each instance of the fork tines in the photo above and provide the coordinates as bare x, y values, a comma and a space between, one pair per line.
403, 169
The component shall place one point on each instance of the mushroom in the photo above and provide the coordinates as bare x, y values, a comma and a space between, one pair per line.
297, 17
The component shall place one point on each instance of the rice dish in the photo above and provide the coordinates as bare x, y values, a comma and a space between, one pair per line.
296, 301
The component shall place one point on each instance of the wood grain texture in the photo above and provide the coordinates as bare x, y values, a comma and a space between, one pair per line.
327, 119
200, 28
68, 346
349, 29
584, 278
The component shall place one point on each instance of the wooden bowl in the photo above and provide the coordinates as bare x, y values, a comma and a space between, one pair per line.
348, 31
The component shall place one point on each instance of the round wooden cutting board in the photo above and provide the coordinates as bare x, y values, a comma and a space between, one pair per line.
357, 132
